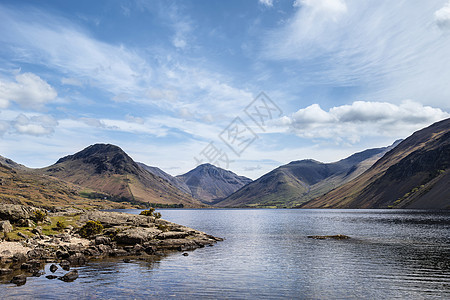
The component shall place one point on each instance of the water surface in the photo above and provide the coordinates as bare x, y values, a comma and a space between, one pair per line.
266, 254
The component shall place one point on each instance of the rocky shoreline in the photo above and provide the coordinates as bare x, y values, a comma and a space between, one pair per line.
64, 246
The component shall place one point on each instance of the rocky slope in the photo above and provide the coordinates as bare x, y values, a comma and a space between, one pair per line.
171, 179
108, 169
19, 185
300, 181
415, 174
210, 184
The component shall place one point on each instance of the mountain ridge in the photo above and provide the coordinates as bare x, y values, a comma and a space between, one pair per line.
402, 177
210, 183
299, 181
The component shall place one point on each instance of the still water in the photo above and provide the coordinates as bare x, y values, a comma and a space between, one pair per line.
267, 255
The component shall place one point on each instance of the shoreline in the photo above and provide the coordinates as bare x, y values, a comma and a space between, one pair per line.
122, 236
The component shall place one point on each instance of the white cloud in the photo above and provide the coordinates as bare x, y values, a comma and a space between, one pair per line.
388, 49
268, 3
348, 123
56, 43
40, 125
442, 16
330, 6
4, 126
71, 81
28, 90
134, 119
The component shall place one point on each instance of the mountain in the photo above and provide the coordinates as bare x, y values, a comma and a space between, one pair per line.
171, 179
415, 174
300, 181
108, 169
209, 183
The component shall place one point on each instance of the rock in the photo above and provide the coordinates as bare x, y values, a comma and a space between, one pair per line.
77, 259
136, 235
51, 276
105, 249
126, 260
22, 235
64, 237
71, 276
53, 268
19, 279
65, 265
5, 226
38, 253
185, 254
323, 237
37, 230
5, 271
102, 240
25, 223
62, 254
14, 212
118, 252
18, 257
172, 235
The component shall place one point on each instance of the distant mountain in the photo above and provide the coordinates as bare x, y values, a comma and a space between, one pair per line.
415, 174
210, 184
108, 169
300, 181
171, 179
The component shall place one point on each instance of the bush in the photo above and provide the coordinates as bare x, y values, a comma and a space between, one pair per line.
91, 228
60, 225
39, 216
151, 213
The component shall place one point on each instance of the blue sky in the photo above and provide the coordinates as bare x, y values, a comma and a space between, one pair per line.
166, 80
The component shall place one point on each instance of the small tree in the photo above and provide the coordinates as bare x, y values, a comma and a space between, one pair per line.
151, 213
91, 228
39, 216
60, 225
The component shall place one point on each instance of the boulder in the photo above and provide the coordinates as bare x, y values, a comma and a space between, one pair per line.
53, 268
172, 235
70, 276
19, 279
65, 265
5, 226
15, 212
102, 240
77, 259
51, 276
37, 230
25, 223
136, 235
5, 271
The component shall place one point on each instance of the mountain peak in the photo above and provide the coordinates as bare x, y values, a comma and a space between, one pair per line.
209, 183
105, 158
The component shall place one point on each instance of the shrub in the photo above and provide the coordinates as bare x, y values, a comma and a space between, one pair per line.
151, 213
39, 216
91, 228
60, 225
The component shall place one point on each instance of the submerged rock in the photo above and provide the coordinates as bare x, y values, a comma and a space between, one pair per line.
323, 237
68, 277
19, 279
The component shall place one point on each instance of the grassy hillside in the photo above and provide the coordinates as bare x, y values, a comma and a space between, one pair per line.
414, 174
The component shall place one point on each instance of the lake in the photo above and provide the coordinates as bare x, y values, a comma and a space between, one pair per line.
267, 255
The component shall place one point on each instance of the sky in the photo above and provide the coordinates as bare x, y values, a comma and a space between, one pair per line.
245, 85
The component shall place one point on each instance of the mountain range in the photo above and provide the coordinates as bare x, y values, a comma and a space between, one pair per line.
299, 181
412, 173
